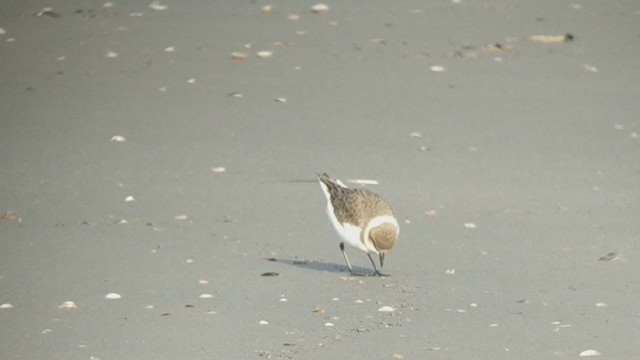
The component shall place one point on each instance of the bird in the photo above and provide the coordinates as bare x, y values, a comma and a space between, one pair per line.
362, 219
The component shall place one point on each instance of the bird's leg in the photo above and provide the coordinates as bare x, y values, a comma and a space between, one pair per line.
376, 271
344, 254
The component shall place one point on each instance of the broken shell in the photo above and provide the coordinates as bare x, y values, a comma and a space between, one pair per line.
113, 296
118, 138
155, 5
203, 282
112, 54
281, 100
551, 39
129, 198
319, 8
68, 305
430, 213
318, 310
6, 306
437, 68
236, 55
170, 49
206, 296
386, 309
218, 170
263, 322
265, 54
470, 225
450, 271
590, 352
181, 217
329, 324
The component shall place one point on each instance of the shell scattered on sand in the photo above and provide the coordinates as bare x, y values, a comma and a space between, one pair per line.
437, 68
112, 54
590, 352
470, 225
329, 324
319, 8
218, 169
156, 5
6, 306
118, 138
386, 309
181, 217
206, 296
113, 296
237, 55
68, 305
450, 271
263, 322
129, 198
264, 54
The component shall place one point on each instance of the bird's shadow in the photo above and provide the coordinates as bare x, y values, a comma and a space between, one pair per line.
322, 266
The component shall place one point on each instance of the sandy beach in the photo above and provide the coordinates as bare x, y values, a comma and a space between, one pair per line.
157, 159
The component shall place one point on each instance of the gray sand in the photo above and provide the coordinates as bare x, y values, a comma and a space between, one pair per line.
534, 144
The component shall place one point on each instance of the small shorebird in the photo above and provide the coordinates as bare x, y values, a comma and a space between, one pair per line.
361, 218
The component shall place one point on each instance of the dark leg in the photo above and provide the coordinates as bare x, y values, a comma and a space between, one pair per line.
376, 271
344, 254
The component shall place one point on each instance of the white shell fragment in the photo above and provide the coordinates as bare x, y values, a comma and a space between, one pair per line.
203, 281
236, 55
329, 324
470, 225
437, 68
281, 100
118, 138
590, 68
263, 322
206, 296
170, 49
181, 217
319, 8
68, 305
450, 271
6, 306
191, 81
601, 304
218, 169
386, 309
264, 54
155, 5
112, 54
590, 352
129, 198
113, 296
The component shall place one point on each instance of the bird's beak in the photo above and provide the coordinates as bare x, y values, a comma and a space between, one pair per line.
381, 260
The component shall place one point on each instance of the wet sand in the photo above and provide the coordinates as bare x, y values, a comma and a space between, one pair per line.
512, 165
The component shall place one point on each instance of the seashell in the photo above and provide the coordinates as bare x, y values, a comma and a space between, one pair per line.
155, 5
236, 55
113, 296
319, 8
264, 54
590, 352
68, 305
181, 217
386, 309
118, 138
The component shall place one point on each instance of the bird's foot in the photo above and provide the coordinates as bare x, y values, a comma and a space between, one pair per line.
378, 273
